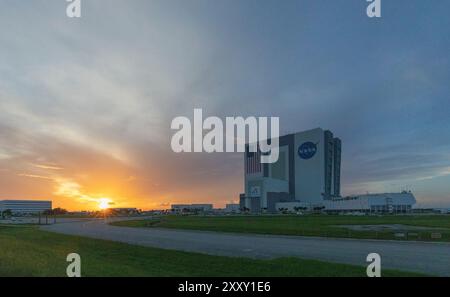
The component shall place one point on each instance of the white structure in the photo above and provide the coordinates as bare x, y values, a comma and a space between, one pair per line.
308, 170
373, 203
308, 174
178, 208
25, 206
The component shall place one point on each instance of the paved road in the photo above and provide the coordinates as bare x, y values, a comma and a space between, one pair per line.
430, 258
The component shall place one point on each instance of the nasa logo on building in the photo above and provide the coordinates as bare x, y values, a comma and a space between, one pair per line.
307, 150
255, 191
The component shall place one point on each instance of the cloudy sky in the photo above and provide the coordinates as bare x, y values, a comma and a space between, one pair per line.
86, 104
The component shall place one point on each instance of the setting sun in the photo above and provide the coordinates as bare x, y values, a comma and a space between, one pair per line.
103, 203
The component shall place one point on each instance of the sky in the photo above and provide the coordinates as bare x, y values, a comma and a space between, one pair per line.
86, 104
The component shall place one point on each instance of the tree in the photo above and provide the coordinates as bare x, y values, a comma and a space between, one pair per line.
59, 211
55, 211
318, 209
6, 213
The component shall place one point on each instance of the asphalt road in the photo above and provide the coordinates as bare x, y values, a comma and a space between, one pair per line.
422, 257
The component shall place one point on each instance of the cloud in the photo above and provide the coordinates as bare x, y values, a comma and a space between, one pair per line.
90, 102
52, 167
36, 176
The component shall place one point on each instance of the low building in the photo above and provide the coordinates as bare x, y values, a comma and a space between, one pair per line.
368, 203
443, 210
232, 208
189, 208
25, 206
373, 203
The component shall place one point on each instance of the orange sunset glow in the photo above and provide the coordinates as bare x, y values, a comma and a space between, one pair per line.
101, 184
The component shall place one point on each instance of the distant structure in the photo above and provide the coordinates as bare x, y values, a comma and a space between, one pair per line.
232, 208
186, 208
373, 203
25, 206
307, 175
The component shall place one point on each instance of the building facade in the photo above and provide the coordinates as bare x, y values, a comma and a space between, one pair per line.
25, 206
307, 170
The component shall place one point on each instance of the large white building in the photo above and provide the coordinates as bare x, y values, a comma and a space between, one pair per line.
25, 206
306, 175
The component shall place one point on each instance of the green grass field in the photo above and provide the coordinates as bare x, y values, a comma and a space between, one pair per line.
309, 225
28, 251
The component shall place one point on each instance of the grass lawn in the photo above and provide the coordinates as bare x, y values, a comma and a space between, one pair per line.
28, 251
308, 225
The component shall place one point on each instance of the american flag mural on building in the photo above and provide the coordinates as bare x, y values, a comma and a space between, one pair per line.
253, 162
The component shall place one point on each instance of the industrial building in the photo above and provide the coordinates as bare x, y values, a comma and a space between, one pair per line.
307, 175
25, 206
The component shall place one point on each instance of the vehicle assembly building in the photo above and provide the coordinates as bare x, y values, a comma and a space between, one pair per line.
308, 175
